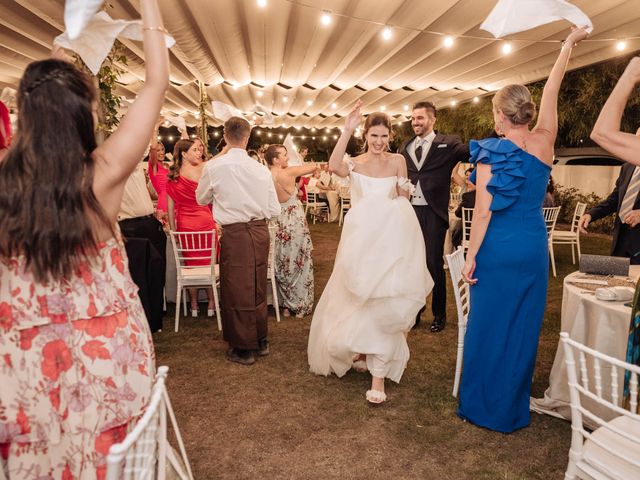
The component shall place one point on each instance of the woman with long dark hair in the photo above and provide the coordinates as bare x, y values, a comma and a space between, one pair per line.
77, 357
185, 214
376, 288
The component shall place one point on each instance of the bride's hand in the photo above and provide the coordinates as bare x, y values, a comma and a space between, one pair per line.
467, 271
577, 35
354, 118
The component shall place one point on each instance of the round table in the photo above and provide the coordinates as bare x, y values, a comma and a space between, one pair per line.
603, 326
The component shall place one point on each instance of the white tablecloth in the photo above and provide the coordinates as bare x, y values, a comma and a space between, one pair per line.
603, 326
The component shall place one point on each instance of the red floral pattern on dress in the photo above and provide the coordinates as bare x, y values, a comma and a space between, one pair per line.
76, 366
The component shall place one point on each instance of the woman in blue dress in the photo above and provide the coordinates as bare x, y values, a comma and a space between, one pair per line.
506, 263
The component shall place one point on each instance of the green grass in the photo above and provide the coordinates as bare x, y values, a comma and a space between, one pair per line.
277, 420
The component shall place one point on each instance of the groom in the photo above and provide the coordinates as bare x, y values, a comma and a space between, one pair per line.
430, 160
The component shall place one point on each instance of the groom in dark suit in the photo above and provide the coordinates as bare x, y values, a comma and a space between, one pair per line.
430, 160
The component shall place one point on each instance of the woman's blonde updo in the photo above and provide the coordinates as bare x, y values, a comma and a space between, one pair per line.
515, 102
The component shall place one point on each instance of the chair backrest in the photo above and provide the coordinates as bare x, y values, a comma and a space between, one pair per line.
585, 370
144, 451
550, 217
455, 197
272, 248
344, 192
195, 247
467, 217
577, 215
455, 261
312, 196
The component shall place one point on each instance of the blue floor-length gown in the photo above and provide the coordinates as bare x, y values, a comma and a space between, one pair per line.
508, 302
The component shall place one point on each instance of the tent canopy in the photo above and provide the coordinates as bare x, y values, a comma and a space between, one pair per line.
282, 59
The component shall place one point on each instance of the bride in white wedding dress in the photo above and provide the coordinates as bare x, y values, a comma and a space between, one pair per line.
380, 278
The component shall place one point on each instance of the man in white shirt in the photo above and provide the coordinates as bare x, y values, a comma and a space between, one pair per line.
243, 197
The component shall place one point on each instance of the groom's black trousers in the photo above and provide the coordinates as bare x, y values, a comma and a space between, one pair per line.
434, 231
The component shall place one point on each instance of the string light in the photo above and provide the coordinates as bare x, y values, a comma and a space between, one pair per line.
325, 18
280, 136
448, 42
405, 108
258, 132
335, 137
324, 138
285, 99
507, 48
476, 99
387, 33
159, 138
328, 130
382, 108
453, 103
193, 135
309, 102
216, 134
334, 106
197, 114
170, 138
313, 129
259, 94
621, 45
262, 3
303, 137
269, 134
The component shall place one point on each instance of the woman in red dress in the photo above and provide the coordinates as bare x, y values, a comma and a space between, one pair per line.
158, 173
185, 215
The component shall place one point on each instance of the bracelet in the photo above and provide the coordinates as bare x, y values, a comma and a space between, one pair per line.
159, 29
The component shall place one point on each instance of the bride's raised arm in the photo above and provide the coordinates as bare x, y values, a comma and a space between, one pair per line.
351, 122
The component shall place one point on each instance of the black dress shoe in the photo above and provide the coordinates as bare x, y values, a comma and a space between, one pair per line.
240, 356
438, 324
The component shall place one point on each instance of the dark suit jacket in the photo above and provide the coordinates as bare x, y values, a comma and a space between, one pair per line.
435, 173
612, 204
468, 201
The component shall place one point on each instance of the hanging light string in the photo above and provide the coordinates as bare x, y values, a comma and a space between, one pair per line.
328, 13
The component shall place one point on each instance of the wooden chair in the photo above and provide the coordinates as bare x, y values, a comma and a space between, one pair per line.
271, 269
461, 294
550, 217
612, 450
571, 237
190, 246
345, 202
144, 452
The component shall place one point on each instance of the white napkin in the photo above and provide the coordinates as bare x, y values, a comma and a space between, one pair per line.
77, 14
95, 41
294, 156
224, 112
513, 16
177, 121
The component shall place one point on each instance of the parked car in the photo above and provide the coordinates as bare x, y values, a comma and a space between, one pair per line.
585, 156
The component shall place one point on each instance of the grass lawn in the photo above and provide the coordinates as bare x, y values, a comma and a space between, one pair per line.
277, 420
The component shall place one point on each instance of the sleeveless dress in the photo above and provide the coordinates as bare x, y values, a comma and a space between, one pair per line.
293, 262
76, 366
159, 181
378, 284
508, 302
191, 216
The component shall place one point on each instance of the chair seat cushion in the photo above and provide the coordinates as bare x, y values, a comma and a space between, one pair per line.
607, 463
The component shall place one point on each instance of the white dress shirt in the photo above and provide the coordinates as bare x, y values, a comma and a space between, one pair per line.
240, 189
136, 200
418, 198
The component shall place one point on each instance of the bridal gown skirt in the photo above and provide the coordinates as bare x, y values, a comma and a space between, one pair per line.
378, 285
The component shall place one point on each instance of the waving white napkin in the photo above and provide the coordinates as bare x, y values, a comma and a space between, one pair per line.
294, 156
95, 41
224, 112
77, 14
177, 121
513, 16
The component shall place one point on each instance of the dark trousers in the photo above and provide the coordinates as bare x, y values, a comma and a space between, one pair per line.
147, 266
434, 231
627, 244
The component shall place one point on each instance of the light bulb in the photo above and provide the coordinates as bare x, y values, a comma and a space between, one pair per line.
476, 99
325, 19
448, 42
506, 48
262, 3
387, 33
621, 45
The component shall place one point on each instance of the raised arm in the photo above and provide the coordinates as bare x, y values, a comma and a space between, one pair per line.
606, 132
548, 114
351, 122
118, 155
299, 170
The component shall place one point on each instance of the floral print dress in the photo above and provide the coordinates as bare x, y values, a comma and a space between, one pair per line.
76, 367
293, 262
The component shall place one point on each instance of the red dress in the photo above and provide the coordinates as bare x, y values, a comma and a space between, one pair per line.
159, 181
190, 216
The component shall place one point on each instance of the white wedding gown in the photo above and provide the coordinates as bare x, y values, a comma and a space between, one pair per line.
378, 284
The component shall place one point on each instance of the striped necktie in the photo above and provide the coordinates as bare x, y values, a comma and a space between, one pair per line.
630, 195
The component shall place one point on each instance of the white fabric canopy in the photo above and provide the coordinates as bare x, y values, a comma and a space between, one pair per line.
280, 59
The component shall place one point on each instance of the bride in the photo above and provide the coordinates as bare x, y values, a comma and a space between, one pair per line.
380, 279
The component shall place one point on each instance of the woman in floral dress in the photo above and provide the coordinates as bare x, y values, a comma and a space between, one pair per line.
76, 356
294, 265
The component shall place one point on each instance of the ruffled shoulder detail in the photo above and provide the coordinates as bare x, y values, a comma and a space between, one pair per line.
507, 177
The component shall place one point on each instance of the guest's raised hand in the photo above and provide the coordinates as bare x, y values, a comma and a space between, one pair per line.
59, 53
354, 118
633, 70
584, 222
577, 35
